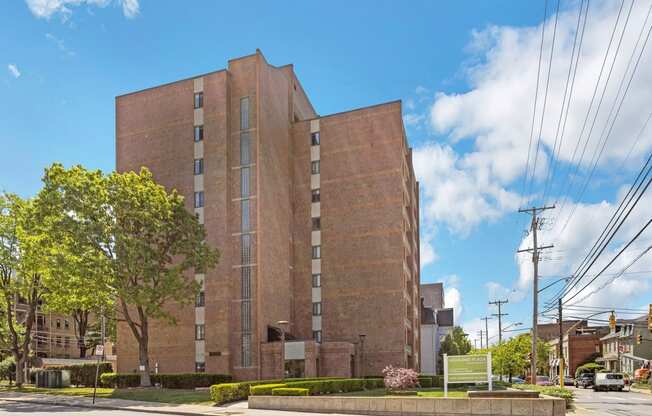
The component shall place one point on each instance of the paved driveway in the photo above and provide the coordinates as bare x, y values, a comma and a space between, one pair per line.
612, 403
25, 408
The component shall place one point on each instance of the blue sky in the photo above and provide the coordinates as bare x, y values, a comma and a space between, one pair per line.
465, 70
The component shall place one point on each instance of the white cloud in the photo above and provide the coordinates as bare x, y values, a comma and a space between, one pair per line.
13, 70
45, 9
453, 299
573, 243
427, 253
456, 195
60, 44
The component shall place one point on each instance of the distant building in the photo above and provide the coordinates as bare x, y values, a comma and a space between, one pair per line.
579, 347
436, 322
620, 352
547, 332
316, 218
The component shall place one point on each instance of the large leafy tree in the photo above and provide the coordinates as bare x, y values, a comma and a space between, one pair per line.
456, 343
24, 247
512, 356
137, 241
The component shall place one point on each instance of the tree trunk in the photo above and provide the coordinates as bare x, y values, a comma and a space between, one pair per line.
20, 370
143, 356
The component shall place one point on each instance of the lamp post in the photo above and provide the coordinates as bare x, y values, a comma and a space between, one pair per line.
282, 325
362, 337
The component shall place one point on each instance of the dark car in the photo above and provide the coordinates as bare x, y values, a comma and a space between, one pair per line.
585, 380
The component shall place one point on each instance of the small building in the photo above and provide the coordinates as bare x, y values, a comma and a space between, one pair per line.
579, 347
436, 322
620, 350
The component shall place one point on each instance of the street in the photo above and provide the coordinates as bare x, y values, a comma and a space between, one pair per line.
612, 403
11, 407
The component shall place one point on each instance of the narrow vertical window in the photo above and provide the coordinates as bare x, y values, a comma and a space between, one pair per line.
199, 199
314, 139
245, 249
200, 299
316, 335
316, 252
314, 167
316, 224
245, 282
245, 216
246, 350
199, 99
244, 113
199, 133
245, 316
316, 280
315, 195
200, 367
245, 144
199, 167
316, 308
244, 182
200, 333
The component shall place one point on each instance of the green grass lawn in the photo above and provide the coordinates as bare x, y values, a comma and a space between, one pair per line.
145, 394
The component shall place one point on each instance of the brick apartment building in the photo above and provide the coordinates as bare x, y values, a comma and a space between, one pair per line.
316, 218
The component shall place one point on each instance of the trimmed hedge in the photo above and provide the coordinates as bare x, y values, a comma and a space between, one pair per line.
168, 381
264, 389
82, 374
425, 381
562, 393
286, 391
230, 392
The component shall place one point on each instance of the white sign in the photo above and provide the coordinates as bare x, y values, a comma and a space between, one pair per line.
99, 350
467, 369
141, 368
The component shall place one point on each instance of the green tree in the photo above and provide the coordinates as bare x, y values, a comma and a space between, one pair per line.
512, 356
24, 247
140, 242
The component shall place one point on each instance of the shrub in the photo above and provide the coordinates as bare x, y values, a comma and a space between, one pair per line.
168, 381
373, 383
288, 391
225, 392
264, 389
84, 374
8, 369
588, 368
397, 378
425, 381
562, 393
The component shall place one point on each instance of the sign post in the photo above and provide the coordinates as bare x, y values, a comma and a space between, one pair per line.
467, 369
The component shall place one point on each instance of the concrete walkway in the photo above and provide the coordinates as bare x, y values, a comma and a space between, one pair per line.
232, 409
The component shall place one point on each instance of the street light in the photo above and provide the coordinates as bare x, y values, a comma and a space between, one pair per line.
282, 325
362, 337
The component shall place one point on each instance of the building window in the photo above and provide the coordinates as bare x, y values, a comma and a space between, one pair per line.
245, 174
200, 299
245, 316
315, 195
245, 249
314, 139
316, 252
66, 324
66, 342
199, 99
244, 113
58, 323
246, 350
200, 367
316, 224
199, 133
245, 282
316, 308
316, 280
199, 199
58, 342
316, 335
200, 332
198, 166
245, 215
314, 167
245, 145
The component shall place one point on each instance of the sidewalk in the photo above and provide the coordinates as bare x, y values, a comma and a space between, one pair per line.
120, 404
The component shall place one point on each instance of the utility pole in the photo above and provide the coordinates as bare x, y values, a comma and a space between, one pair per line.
480, 332
536, 223
499, 315
475, 343
486, 330
561, 347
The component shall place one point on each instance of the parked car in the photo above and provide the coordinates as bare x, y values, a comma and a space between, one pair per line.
609, 381
543, 381
517, 380
585, 380
568, 381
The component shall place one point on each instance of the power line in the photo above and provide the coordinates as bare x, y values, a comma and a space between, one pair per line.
500, 315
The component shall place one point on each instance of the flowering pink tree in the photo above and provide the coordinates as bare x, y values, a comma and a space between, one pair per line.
397, 378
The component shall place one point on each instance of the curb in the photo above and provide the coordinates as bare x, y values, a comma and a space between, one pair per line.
109, 407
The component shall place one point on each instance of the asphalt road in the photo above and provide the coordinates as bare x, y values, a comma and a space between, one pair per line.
22, 408
612, 403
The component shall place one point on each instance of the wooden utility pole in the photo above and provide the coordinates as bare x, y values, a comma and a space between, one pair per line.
534, 227
561, 346
486, 330
500, 315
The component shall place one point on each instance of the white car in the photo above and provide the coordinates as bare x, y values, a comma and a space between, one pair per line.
609, 381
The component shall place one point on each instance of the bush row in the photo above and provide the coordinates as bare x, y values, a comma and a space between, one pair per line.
80, 374
316, 387
230, 392
563, 393
286, 391
169, 381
